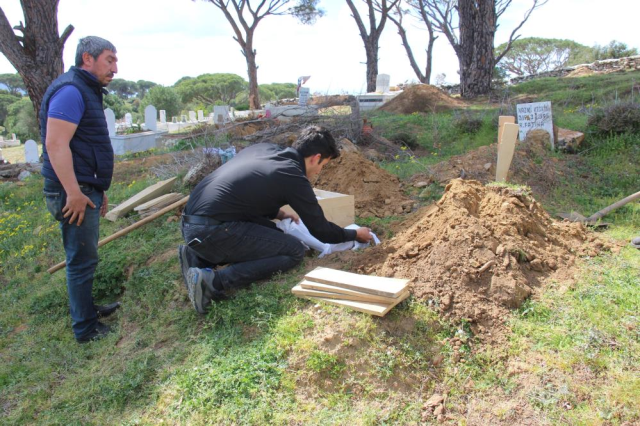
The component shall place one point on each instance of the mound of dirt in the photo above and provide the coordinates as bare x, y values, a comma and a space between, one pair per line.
376, 192
421, 98
480, 251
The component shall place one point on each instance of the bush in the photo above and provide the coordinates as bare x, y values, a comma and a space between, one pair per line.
617, 118
405, 138
468, 123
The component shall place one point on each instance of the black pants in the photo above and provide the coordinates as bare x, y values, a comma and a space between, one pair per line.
253, 251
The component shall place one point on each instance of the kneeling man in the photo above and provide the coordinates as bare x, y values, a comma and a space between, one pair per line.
228, 219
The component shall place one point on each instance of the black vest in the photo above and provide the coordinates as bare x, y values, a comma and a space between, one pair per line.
90, 145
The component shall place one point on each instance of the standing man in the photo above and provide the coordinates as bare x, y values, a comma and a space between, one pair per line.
77, 170
228, 217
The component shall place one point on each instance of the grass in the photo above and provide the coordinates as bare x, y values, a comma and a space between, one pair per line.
266, 357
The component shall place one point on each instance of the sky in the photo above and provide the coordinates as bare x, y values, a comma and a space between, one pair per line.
164, 40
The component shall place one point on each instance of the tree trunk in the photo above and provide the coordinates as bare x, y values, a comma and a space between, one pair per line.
37, 54
252, 71
477, 32
372, 64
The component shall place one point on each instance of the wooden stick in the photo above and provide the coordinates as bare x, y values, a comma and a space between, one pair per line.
594, 217
128, 229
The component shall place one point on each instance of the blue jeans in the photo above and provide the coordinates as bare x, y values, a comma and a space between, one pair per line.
81, 248
253, 251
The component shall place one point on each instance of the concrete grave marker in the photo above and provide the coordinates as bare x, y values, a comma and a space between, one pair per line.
535, 115
111, 121
31, 154
151, 117
220, 114
192, 116
128, 119
200, 115
183, 118
383, 83
304, 96
163, 116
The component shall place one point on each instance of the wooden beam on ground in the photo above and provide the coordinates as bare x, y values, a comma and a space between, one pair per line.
378, 309
128, 229
141, 197
381, 286
502, 120
342, 293
156, 204
505, 151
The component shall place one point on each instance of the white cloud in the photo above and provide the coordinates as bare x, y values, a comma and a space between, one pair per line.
164, 40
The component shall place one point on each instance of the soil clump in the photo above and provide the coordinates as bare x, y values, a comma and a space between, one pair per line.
422, 98
377, 192
480, 251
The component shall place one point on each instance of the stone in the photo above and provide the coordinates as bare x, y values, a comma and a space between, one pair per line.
435, 400
128, 119
200, 115
163, 116
383, 83
221, 114
540, 137
303, 97
345, 145
150, 118
31, 154
24, 175
192, 116
111, 121
487, 166
569, 140
508, 291
183, 118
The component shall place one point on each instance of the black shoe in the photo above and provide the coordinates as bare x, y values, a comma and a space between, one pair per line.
104, 311
196, 285
100, 331
184, 264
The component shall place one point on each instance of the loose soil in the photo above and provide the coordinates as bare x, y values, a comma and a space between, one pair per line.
376, 192
480, 251
422, 98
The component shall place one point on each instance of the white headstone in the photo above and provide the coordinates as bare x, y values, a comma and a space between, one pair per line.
221, 114
192, 116
383, 82
304, 96
150, 118
183, 118
200, 115
535, 115
13, 136
163, 116
128, 120
111, 121
31, 154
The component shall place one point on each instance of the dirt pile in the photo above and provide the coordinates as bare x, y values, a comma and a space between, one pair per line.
480, 251
422, 98
377, 192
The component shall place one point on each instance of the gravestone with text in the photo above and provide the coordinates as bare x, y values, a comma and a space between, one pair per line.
304, 96
150, 118
535, 115
31, 154
111, 121
220, 114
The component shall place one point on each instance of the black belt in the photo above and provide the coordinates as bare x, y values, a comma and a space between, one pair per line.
200, 220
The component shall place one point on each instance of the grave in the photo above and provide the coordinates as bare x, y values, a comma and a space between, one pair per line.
128, 120
133, 142
337, 208
304, 96
383, 83
163, 116
221, 114
31, 154
192, 116
200, 115
111, 121
150, 118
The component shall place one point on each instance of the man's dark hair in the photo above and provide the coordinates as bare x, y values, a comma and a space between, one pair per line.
316, 140
94, 46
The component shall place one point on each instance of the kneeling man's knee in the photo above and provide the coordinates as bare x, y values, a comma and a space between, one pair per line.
298, 252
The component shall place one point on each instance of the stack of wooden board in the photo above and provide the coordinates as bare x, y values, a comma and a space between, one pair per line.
157, 204
363, 293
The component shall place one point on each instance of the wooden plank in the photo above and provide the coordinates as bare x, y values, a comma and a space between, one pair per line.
299, 290
502, 120
337, 208
353, 294
161, 199
378, 309
160, 205
388, 287
141, 197
505, 151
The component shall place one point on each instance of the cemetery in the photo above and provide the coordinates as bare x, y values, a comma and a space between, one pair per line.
500, 285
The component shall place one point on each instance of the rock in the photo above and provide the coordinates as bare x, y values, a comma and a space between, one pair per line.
421, 184
345, 145
539, 137
487, 166
508, 292
439, 410
569, 140
435, 400
24, 175
446, 302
